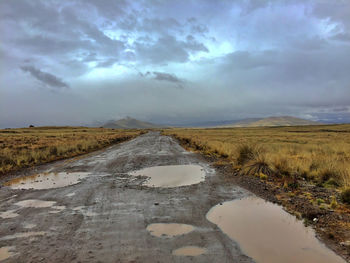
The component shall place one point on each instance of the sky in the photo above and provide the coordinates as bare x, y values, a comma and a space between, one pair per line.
79, 62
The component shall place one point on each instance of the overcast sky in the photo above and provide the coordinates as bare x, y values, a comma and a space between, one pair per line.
76, 62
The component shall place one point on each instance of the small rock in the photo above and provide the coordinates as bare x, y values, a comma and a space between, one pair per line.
315, 219
156, 203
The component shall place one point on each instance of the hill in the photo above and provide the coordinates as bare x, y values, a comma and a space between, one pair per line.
129, 123
272, 121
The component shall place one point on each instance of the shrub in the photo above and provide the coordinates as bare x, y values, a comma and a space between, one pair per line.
281, 166
258, 165
53, 150
263, 176
345, 196
334, 203
329, 176
246, 152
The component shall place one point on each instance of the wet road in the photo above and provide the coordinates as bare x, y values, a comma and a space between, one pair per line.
104, 218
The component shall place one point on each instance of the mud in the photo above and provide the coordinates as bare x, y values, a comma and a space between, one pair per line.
171, 175
269, 234
169, 229
107, 217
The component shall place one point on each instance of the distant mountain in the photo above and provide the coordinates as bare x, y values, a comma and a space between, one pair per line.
272, 121
129, 123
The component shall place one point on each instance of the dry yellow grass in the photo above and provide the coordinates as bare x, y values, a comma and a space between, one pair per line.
320, 154
32, 146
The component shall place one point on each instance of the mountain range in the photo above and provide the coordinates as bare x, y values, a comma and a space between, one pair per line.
129, 123
271, 121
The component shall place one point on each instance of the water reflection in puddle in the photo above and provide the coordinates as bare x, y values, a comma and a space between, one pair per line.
22, 235
172, 175
46, 180
35, 203
8, 214
189, 251
5, 252
169, 229
268, 234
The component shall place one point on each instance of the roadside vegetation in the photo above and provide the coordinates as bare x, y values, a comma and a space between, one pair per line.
316, 154
26, 147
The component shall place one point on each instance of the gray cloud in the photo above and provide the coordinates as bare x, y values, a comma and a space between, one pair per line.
169, 78
46, 78
163, 76
167, 49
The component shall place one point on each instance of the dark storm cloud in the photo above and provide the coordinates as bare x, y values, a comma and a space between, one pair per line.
166, 77
162, 76
46, 78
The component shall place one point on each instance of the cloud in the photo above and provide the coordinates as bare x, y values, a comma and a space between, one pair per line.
46, 78
168, 77
167, 49
163, 76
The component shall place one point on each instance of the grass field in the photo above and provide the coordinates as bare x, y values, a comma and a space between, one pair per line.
318, 154
27, 147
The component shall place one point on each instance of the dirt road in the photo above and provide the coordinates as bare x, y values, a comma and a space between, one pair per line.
104, 217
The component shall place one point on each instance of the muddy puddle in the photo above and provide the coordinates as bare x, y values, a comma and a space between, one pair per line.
268, 234
189, 251
169, 229
46, 180
172, 175
5, 252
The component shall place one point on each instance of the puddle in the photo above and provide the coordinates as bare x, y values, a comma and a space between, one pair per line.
46, 180
35, 203
22, 235
189, 251
169, 229
5, 252
172, 175
268, 234
8, 214
70, 195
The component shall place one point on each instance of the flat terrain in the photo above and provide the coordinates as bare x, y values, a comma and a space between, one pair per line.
26, 147
104, 217
319, 154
